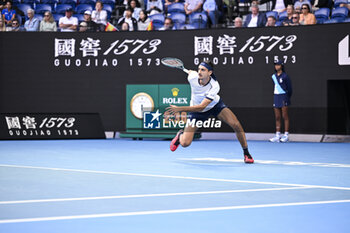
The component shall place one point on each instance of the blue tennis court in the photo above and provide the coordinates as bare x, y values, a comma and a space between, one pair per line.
140, 186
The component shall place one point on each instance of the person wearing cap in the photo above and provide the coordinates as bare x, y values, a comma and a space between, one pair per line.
89, 25
205, 102
281, 100
68, 23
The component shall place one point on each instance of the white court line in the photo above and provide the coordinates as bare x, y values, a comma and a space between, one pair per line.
287, 163
146, 195
87, 216
172, 177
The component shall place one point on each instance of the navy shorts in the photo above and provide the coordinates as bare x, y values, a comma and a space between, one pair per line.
281, 100
214, 111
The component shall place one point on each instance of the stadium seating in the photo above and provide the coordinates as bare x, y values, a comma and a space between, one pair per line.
330, 21
187, 27
72, 3
42, 8
90, 2
80, 17
178, 19
57, 17
24, 7
39, 17
108, 8
51, 2
322, 15
31, 2
61, 8
110, 2
198, 20
81, 8
272, 13
176, 8
340, 13
338, 2
282, 16
16, 2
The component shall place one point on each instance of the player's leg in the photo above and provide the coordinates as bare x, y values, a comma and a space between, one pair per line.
186, 137
285, 116
277, 137
230, 118
183, 138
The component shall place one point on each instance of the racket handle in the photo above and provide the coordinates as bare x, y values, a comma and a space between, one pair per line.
186, 70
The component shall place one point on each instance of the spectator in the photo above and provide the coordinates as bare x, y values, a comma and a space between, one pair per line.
193, 6
211, 9
125, 26
135, 6
91, 26
306, 18
68, 23
128, 19
154, 7
238, 22
231, 4
2, 5
347, 5
168, 24
271, 21
32, 24
8, 14
278, 5
255, 19
83, 27
2, 25
299, 3
99, 15
15, 26
143, 21
295, 20
290, 12
48, 23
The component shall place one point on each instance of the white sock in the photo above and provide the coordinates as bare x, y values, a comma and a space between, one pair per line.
286, 133
278, 134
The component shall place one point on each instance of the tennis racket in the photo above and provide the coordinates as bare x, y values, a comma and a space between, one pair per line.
174, 63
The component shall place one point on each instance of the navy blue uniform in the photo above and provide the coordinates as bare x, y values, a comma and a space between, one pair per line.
283, 90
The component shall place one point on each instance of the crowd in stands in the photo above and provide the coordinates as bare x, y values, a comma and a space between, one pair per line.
142, 15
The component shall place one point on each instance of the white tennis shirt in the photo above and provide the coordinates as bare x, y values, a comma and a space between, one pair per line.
199, 92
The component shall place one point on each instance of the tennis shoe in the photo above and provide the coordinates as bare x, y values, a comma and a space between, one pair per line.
176, 141
248, 159
275, 139
284, 138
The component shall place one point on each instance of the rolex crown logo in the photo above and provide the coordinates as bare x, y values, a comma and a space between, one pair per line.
175, 91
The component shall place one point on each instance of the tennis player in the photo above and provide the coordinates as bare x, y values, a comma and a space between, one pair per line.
206, 102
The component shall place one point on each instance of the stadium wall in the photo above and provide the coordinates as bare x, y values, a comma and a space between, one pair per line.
88, 72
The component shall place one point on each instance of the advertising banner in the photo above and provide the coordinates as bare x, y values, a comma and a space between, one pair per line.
50, 126
88, 72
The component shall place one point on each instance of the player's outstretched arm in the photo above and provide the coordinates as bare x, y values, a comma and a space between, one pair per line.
172, 109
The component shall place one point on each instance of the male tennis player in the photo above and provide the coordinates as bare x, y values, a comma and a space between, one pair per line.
206, 102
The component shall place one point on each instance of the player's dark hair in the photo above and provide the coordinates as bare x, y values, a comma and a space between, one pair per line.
209, 62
